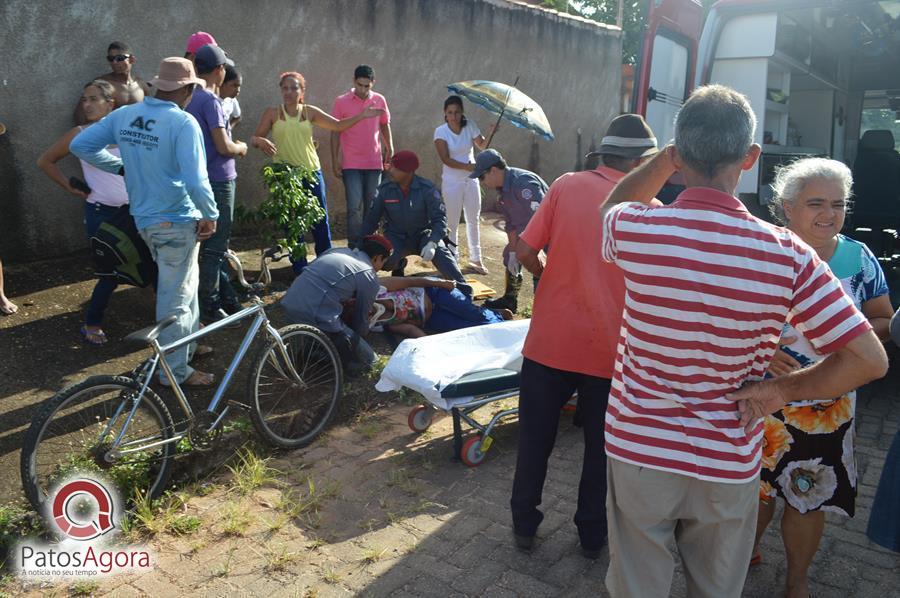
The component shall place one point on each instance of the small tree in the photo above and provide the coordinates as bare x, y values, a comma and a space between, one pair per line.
291, 207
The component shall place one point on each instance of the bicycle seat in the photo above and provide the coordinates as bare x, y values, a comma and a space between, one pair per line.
147, 335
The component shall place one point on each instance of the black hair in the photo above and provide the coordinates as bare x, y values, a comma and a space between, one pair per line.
364, 71
620, 163
121, 46
458, 101
373, 248
231, 73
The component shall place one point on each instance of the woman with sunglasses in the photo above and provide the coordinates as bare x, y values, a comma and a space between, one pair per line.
127, 87
103, 195
291, 125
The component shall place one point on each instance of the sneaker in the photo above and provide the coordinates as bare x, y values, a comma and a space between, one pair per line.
503, 302
523, 543
213, 316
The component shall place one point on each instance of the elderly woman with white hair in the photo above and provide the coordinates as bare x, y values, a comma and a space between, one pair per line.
808, 455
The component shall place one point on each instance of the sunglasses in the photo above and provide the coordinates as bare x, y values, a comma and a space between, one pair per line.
118, 58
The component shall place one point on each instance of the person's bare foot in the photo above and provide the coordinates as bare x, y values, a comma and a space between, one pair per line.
504, 313
7, 307
199, 378
478, 268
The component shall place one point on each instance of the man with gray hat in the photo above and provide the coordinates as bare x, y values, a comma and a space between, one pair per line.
520, 194
571, 343
172, 203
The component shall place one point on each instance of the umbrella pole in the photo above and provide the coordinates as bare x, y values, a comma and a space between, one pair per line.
499, 118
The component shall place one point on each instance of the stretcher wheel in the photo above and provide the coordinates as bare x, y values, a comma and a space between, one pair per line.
471, 453
419, 418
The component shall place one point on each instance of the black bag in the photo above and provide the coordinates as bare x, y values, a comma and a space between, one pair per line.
120, 251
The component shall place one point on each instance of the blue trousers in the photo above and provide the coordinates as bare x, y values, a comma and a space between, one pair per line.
215, 285
360, 187
884, 521
321, 231
452, 310
94, 215
405, 245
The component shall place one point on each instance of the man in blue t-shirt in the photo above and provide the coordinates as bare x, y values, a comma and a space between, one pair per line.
169, 193
217, 296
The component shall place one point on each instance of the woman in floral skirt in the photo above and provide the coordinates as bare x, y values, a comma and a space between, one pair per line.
808, 455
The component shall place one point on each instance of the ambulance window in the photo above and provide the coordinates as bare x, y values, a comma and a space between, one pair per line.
668, 83
875, 119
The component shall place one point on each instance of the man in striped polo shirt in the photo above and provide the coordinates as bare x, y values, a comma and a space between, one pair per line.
708, 289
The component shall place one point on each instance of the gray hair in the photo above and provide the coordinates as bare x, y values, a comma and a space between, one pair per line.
714, 128
791, 179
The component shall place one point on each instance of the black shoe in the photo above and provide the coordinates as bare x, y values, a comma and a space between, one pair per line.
398, 271
213, 316
232, 308
504, 302
465, 288
591, 553
524, 543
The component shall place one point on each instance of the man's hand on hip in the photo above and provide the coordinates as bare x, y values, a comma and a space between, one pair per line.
205, 229
756, 400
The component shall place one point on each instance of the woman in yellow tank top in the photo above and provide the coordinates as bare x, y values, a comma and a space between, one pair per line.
291, 126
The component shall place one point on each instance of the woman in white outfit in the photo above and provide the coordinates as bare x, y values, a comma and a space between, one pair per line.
454, 140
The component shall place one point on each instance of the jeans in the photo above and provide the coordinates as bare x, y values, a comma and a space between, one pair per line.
174, 248
321, 231
404, 245
360, 187
543, 392
452, 310
96, 214
215, 285
884, 521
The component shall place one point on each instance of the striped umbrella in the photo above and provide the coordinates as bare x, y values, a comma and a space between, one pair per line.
507, 102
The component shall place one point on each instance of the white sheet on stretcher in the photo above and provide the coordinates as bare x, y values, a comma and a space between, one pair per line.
429, 364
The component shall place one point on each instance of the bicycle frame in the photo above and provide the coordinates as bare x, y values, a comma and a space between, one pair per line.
148, 368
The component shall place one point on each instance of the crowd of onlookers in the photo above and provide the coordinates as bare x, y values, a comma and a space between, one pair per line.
715, 356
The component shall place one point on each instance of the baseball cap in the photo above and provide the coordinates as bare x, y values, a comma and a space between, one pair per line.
174, 73
485, 160
209, 57
198, 40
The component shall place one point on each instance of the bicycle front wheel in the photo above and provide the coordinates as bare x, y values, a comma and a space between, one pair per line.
286, 412
74, 430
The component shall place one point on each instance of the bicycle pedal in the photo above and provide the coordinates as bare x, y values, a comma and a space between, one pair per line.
239, 405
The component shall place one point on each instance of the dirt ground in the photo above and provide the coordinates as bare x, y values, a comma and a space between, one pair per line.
42, 352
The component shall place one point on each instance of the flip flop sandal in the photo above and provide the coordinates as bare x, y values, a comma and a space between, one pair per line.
96, 338
202, 350
755, 560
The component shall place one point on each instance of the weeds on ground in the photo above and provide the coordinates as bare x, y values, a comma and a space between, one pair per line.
152, 517
237, 520
401, 480
251, 471
16, 522
225, 568
331, 576
84, 588
373, 555
280, 559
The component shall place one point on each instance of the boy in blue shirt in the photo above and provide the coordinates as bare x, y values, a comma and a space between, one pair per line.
170, 196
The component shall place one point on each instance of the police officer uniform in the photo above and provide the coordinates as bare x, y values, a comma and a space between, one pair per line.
412, 220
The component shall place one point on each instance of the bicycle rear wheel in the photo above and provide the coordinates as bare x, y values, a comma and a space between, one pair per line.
286, 413
67, 436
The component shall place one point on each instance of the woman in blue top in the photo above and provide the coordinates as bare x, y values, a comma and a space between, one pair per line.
808, 455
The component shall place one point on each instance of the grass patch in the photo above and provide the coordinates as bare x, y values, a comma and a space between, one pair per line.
331, 576
280, 560
152, 517
84, 588
251, 471
237, 521
16, 522
401, 480
373, 555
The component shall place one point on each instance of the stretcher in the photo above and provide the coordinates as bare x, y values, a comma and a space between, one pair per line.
459, 372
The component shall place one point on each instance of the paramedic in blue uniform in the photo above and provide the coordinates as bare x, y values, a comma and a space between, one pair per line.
520, 194
415, 220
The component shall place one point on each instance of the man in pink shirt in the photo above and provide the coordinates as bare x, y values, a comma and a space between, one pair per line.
571, 344
356, 154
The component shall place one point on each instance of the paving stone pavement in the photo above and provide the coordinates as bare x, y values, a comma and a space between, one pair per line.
391, 515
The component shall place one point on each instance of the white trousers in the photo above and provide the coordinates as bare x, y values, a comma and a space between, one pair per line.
463, 195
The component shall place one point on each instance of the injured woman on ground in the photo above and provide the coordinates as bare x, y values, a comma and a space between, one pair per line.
407, 306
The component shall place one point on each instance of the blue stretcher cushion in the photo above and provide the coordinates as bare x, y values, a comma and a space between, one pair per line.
482, 383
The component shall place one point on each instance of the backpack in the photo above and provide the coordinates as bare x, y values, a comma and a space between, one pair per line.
120, 251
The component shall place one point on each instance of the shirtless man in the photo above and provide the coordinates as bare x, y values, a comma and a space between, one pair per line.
129, 88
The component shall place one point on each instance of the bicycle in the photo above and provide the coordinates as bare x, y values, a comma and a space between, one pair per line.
118, 425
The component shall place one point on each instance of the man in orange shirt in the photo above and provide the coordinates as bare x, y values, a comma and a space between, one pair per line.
571, 344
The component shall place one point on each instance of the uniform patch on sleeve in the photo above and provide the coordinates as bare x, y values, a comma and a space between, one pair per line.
534, 206
527, 194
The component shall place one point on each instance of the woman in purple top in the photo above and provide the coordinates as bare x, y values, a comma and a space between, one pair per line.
103, 195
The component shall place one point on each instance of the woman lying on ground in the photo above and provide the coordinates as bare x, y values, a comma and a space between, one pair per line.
104, 195
808, 455
412, 304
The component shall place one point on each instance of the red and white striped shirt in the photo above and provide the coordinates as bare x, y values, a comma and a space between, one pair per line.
708, 289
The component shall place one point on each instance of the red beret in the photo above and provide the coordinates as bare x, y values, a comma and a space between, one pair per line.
383, 241
405, 160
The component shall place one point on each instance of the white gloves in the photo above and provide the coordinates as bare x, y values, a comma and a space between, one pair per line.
428, 251
512, 264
